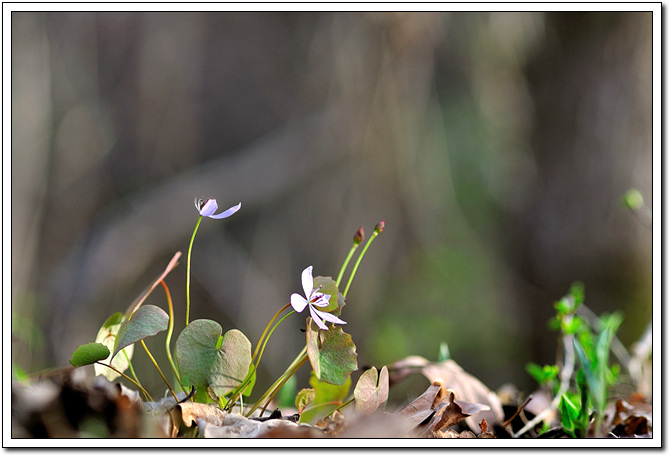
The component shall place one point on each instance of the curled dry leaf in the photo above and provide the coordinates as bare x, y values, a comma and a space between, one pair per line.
420, 410
450, 412
468, 387
437, 409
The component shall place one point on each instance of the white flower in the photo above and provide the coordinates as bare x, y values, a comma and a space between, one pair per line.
312, 299
207, 208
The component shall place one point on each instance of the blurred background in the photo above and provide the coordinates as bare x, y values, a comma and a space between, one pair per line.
496, 146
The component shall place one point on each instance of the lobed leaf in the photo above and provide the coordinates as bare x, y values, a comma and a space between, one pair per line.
207, 359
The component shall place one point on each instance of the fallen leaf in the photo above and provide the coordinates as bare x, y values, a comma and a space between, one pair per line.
372, 390
468, 387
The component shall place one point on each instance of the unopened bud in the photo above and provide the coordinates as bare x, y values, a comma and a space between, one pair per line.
359, 236
633, 199
379, 227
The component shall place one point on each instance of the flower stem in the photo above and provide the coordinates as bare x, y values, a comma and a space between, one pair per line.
169, 335
346, 262
358, 238
276, 315
290, 370
109, 366
130, 365
375, 233
188, 270
159, 370
255, 362
283, 382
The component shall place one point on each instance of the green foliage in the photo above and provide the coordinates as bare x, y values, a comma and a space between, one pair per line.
327, 286
542, 374
587, 393
107, 336
221, 366
332, 353
88, 354
211, 361
144, 322
304, 397
327, 397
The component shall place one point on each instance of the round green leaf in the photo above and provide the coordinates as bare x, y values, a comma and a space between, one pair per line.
332, 353
207, 359
88, 354
233, 361
146, 321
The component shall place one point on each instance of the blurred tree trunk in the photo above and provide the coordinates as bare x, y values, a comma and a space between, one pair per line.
590, 83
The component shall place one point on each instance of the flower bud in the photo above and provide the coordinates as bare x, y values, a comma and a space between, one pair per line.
359, 236
379, 227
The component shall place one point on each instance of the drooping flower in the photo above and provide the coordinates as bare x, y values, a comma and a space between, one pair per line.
312, 299
207, 208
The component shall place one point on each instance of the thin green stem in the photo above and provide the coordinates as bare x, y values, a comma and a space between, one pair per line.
298, 361
238, 391
360, 257
159, 370
169, 335
339, 405
130, 365
258, 345
109, 366
346, 262
188, 270
283, 382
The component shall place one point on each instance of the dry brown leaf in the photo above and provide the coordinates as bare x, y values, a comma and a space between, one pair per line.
241, 427
421, 409
447, 414
468, 387
191, 412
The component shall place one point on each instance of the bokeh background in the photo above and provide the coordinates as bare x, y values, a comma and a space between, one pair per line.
496, 146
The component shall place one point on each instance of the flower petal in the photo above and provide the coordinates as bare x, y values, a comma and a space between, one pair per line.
208, 208
298, 302
328, 317
227, 212
307, 281
320, 300
315, 316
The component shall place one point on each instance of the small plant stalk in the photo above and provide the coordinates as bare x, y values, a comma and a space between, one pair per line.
290, 370
168, 337
358, 238
159, 371
109, 366
239, 390
378, 229
283, 382
188, 270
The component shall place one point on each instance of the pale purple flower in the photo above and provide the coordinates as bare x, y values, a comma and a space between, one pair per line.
207, 208
312, 299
